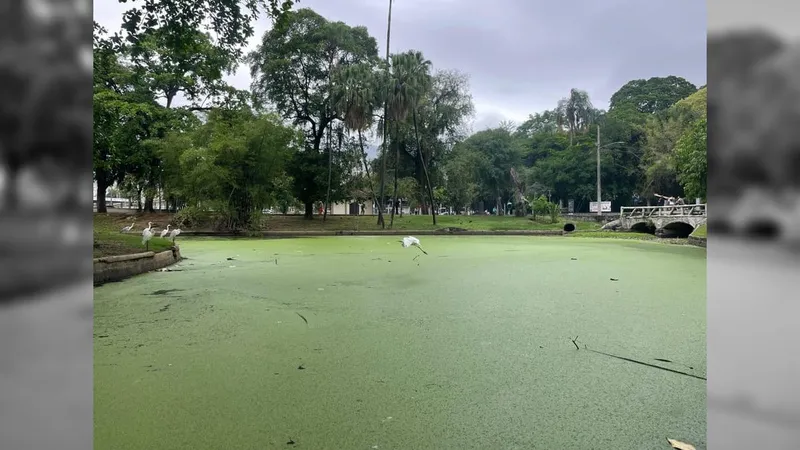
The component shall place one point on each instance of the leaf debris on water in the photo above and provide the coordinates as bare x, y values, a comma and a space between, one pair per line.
301, 316
680, 445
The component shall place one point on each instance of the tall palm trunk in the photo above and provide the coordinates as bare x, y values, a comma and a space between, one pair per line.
385, 119
424, 167
396, 171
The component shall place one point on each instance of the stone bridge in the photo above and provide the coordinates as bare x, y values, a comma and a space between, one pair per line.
666, 221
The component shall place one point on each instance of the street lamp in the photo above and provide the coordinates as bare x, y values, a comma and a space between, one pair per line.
599, 198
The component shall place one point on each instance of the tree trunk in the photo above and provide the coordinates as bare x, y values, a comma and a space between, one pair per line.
139, 200
382, 190
148, 204
309, 214
328, 194
366, 170
424, 167
396, 171
102, 187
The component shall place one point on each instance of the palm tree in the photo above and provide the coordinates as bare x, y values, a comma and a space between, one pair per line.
355, 97
385, 113
409, 83
576, 112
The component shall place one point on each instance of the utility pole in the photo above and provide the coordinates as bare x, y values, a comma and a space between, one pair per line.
599, 207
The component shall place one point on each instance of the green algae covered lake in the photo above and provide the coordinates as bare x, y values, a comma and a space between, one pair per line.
467, 347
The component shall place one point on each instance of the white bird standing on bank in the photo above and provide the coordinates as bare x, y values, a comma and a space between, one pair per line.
410, 241
165, 231
128, 228
174, 233
147, 234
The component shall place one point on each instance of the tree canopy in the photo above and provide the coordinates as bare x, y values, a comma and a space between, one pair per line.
299, 137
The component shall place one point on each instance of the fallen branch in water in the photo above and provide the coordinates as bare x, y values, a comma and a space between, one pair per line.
574, 341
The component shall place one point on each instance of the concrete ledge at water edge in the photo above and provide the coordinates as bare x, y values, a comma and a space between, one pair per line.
117, 268
441, 232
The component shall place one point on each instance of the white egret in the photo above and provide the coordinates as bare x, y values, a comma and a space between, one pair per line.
165, 231
410, 241
147, 234
128, 228
174, 233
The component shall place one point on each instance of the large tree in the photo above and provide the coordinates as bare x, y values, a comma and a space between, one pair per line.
409, 82
577, 112
293, 69
440, 118
663, 131
692, 159
652, 95
234, 164
178, 21
356, 97
497, 153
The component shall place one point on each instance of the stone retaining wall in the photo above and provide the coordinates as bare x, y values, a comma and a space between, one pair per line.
117, 268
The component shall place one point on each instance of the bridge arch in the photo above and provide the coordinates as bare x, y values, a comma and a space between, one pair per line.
677, 229
644, 227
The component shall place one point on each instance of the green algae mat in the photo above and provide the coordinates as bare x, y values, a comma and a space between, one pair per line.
358, 343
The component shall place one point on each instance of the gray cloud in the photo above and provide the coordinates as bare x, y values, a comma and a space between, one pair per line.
522, 56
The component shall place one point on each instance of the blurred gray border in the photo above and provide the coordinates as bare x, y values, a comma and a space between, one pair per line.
753, 303
46, 385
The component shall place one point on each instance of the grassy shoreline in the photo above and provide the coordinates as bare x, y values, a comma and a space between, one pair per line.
108, 240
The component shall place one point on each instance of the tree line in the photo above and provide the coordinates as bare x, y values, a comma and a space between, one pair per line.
321, 92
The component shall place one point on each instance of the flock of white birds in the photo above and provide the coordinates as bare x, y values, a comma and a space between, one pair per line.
147, 233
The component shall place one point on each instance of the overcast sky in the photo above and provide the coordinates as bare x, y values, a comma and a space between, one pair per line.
522, 56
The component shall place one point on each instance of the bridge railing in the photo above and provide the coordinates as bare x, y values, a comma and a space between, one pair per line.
645, 212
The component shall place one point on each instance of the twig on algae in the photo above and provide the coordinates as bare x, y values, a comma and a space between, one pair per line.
574, 341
